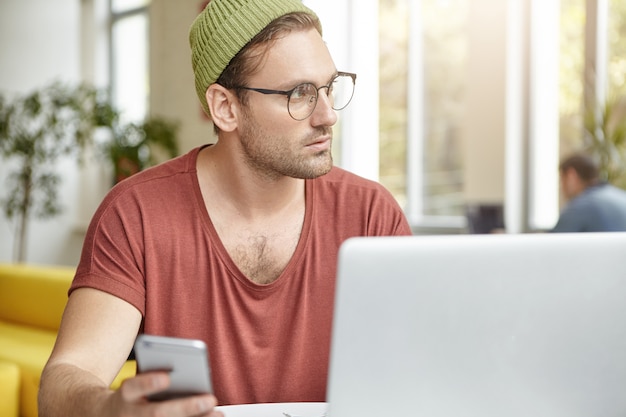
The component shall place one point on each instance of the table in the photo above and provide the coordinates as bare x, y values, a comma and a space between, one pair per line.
275, 410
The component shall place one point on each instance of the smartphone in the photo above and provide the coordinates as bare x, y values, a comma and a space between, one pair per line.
186, 360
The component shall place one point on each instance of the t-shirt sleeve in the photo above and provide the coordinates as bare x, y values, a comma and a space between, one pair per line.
361, 207
388, 218
113, 254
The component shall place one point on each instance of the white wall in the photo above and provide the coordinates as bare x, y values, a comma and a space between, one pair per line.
172, 91
39, 42
346, 22
484, 123
511, 124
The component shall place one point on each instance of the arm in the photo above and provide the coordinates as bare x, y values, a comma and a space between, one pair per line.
96, 334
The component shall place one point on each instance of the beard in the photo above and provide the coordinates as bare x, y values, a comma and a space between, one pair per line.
274, 156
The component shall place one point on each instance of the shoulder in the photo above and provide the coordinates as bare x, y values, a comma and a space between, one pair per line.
183, 164
340, 184
158, 181
611, 191
598, 196
341, 179
352, 199
166, 186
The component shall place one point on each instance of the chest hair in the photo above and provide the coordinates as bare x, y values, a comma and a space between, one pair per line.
262, 254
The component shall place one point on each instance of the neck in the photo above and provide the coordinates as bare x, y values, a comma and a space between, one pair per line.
251, 195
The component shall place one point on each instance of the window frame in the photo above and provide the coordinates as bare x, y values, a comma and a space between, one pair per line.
115, 17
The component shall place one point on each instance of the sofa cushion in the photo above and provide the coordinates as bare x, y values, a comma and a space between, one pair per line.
34, 295
9, 389
29, 349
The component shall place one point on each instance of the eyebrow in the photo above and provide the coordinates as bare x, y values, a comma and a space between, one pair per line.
293, 84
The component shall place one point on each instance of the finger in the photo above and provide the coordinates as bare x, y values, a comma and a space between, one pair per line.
143, 385
214, 413
198, 405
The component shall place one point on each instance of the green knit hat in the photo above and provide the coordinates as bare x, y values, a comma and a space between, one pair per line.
223, 28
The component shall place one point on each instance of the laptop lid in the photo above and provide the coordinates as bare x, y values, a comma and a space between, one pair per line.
482, 325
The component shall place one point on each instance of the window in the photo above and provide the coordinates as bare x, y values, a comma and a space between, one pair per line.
115, 54
571, 70
617, 47
423, 50
129, 57
423, 61
593, 72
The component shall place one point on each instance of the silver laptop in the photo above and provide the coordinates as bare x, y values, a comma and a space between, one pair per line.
480, 326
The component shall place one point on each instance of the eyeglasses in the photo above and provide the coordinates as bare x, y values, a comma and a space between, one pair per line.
302, 99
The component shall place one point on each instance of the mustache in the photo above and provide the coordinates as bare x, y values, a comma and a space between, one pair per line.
319, 132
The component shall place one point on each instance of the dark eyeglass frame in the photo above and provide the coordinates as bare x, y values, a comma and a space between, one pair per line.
288, 93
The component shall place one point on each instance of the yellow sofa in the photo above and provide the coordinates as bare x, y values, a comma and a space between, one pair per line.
32, 300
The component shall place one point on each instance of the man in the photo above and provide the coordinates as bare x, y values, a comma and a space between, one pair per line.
236, 243
593, 205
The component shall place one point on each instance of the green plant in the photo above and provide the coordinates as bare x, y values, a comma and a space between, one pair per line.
136, 146
58, 120
605, 138
36, 129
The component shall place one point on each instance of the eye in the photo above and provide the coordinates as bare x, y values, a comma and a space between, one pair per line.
303, 92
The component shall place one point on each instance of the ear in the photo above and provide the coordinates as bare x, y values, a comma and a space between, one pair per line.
222, 105
572, 175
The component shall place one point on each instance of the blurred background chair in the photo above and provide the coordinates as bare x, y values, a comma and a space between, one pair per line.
484, 218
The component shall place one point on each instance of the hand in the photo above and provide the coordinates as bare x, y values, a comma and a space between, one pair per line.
130, 400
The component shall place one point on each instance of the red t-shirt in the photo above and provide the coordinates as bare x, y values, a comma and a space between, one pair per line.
151, 243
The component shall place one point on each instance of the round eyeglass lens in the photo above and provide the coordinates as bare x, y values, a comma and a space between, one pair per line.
303, 98
302, 101
342, 89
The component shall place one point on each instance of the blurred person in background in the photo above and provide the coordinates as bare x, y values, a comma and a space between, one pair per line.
593, 205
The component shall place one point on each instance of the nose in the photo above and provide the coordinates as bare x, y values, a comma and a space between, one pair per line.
323, 114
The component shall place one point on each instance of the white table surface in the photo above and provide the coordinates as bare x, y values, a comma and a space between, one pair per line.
275, 410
